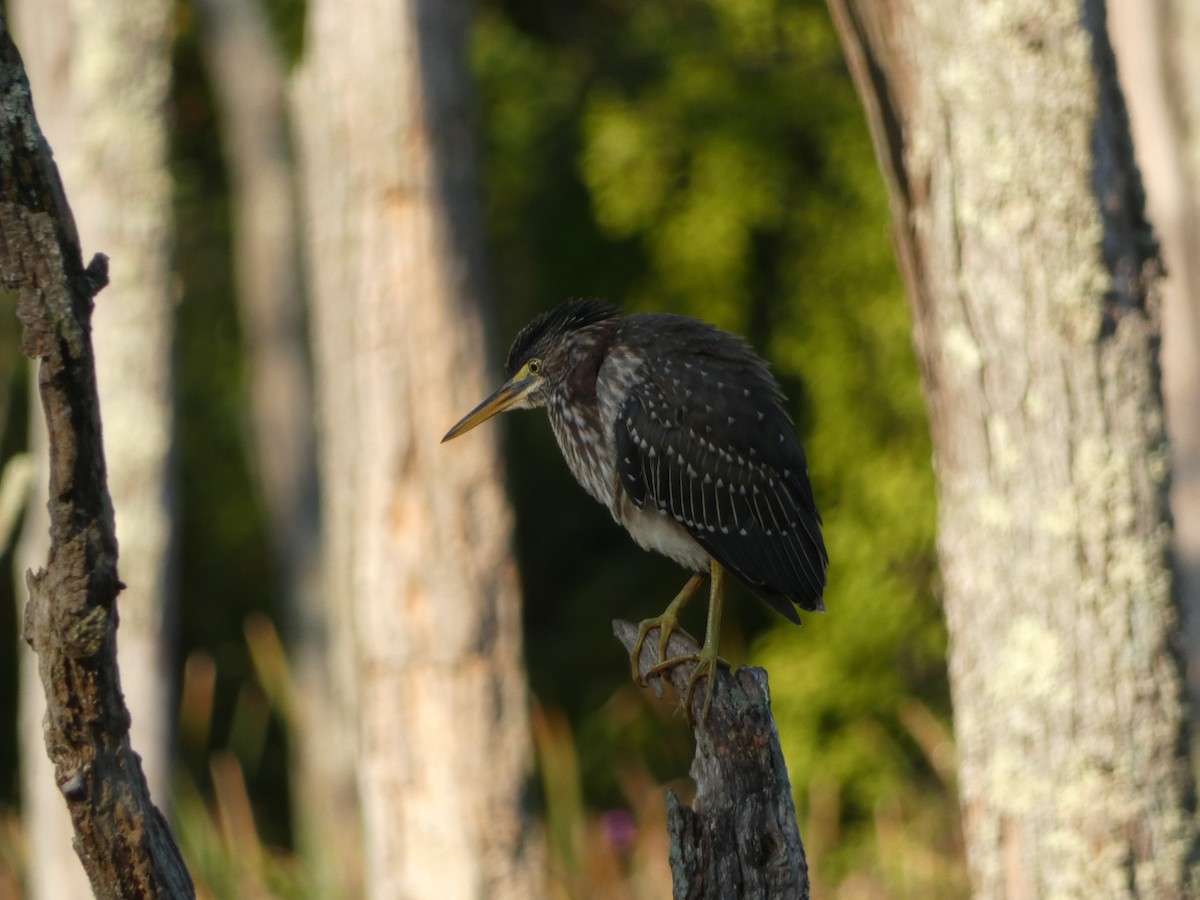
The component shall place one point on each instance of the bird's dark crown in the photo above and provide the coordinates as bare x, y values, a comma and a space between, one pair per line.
549, 328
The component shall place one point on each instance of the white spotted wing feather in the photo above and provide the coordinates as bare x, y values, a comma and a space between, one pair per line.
700, 436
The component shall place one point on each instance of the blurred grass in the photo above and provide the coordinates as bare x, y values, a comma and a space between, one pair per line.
616, 852
619, 851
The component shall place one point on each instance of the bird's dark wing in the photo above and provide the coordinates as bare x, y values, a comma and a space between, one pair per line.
722, 459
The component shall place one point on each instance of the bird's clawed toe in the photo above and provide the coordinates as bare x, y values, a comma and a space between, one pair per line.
667, 625
707, 662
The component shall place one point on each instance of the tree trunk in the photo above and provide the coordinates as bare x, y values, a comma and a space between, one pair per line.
1155, 43
422, 584
249, 80
70, 619
1033, 279
100, 74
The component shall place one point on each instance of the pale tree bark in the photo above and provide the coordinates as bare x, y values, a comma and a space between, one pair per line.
249, 79
1156, 44
1033, 280
100, 73
422, 583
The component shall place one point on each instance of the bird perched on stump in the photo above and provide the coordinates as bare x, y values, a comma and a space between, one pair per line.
679, 429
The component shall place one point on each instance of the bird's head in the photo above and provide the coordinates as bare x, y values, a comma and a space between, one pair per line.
539, 360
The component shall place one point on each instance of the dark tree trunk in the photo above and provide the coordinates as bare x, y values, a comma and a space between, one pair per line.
71, 617
99, 70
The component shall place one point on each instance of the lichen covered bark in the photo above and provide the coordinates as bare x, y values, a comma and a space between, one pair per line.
1032, 274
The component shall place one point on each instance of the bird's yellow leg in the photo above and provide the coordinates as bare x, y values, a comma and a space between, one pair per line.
666, 624
707, 661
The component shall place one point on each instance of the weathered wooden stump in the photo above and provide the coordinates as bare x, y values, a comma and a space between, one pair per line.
739, 838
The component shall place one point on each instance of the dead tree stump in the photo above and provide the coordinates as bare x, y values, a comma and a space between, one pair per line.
739, 838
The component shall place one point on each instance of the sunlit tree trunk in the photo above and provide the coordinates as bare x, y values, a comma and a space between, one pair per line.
100, 73
422, 583
248, 75
1156, 43
1034, 284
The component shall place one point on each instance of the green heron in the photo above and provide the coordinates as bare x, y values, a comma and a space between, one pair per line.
679, 429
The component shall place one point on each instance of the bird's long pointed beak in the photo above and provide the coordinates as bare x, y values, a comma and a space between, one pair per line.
504, 397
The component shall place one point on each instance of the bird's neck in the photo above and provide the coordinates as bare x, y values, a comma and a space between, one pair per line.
583, 431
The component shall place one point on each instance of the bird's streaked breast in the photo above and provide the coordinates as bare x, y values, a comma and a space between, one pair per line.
586, 445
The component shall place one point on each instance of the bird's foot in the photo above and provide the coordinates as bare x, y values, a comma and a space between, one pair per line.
707, 662
667, 624
706, 659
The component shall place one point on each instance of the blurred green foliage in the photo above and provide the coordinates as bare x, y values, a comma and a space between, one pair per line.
710, 157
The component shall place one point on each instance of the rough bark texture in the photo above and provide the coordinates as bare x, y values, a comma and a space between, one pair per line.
100, 72
739, 837
423, 591
1155, 43
1033, 279
71, 618
248, 76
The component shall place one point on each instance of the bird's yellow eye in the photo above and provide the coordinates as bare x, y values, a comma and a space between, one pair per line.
534, 366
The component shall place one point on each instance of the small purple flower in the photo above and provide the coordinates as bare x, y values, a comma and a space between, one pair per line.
620, 829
